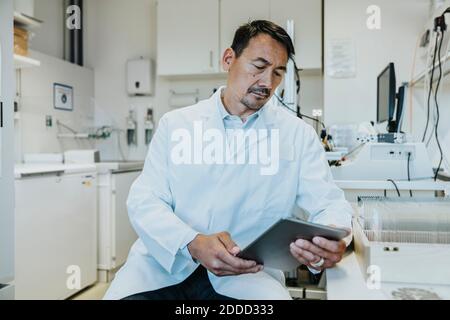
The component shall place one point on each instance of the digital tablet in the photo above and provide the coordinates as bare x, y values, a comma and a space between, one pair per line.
271, 248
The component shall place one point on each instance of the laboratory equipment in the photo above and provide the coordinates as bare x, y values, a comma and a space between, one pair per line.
82, 156
404, 240
140, 77
382, 161
386, 155
115, 233
56, 230
344, 135
43, 158
387, 97
131, 128
149, 126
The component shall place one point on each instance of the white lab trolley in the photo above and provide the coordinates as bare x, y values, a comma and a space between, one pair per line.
116, 235
56, 230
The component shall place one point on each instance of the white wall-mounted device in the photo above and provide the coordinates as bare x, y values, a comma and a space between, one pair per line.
140, 77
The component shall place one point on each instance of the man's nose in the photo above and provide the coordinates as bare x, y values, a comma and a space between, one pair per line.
266, 80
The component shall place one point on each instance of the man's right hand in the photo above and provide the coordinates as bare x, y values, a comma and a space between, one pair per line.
217, 253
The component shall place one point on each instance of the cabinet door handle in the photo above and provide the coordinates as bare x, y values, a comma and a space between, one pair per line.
210, 58
1, 114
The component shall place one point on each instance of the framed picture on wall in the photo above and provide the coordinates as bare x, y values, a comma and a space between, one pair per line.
62, 97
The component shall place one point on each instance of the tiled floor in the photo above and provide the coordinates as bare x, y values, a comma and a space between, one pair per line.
95, 292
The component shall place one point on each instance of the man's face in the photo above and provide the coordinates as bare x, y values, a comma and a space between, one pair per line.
254, 76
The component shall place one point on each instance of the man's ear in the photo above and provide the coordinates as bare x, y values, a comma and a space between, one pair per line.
227, 59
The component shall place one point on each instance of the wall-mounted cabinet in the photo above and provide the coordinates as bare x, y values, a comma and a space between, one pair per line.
234, 13
26, 21
21, 62
307, 16
192, 34
187, 37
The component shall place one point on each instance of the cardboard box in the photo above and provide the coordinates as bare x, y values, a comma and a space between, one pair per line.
23, 33
20, 41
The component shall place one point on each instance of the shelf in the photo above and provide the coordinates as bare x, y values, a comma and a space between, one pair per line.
21, 62
223, 75
421, 76
26, 21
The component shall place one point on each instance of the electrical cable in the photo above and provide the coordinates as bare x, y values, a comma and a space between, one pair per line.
430, 89
395, 185
409, 176
302, 115
437, 107
440, 27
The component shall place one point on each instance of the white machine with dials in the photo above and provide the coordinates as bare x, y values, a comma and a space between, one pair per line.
382, 161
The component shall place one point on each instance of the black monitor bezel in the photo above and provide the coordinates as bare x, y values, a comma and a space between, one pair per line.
392, 93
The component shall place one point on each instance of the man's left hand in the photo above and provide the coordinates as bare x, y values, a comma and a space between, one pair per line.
309, 253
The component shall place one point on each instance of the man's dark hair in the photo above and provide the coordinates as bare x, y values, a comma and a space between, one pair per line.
253, 28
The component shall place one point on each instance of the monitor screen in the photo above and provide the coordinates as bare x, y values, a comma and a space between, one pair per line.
386, 94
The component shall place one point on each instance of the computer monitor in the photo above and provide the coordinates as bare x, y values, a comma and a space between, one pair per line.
386, 98
386, 94
399, 113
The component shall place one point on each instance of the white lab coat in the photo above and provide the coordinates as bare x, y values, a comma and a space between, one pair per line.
170, 203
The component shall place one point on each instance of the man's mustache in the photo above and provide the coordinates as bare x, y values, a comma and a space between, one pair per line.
261, 91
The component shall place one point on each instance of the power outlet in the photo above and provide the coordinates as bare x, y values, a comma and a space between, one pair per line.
393, 152
48, 121
317, 112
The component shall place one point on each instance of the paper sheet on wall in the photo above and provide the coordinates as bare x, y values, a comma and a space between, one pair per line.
341, 59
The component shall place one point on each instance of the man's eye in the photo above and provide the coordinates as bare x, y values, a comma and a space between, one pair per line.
277, 74
258, 67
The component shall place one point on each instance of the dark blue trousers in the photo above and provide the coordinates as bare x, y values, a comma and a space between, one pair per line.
196, 287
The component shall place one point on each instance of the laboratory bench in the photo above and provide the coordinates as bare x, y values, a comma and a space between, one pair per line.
347, 282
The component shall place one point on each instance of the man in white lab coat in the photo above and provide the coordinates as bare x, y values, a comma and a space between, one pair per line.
221, 172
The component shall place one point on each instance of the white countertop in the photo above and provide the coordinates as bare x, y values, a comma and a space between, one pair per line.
21, 170
387, 185
107, 166
346, 282
25, 169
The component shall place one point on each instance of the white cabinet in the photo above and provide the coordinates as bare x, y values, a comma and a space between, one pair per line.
192, 34
116, 235
307, 16
234, 13
56, 235
6, 152
187, 37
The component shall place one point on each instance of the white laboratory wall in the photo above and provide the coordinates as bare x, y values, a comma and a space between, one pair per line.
37, 103
354, 99
49, 37
116, 31
311, 94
